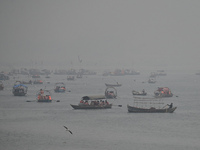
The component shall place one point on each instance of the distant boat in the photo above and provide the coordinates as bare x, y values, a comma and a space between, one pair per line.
163, 92
113, 85
152, 80
59, 87
1, 86
19, 89
143, 93
70, 78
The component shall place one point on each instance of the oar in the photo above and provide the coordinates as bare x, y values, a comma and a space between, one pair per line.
30, 100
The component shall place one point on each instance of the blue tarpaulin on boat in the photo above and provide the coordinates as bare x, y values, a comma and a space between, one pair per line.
20, 85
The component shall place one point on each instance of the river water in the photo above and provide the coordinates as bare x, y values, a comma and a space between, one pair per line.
39, 126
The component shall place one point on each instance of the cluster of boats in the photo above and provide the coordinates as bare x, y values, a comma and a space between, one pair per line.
99, 101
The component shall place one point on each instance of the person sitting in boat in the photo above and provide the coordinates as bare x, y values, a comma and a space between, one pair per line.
86, 103
171, 105
106, 102
42, 94
81, 102
143, 91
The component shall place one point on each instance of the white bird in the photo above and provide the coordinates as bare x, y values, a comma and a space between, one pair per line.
67, 129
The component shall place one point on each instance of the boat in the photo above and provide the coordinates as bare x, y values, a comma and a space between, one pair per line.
19, 89
143, 93
35, 76
110, 93
38, 82
70, 77
133, 109
113, 85
152, 80
59, 87
1, 86
79, 75
93, 102
26, 82
44, 96
4, 77
163, 92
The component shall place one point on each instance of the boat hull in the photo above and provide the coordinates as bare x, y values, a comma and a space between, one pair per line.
91, 107
133, 109
19, 94
44, 100
113, 85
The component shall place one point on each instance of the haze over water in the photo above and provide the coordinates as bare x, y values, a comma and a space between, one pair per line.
100, 35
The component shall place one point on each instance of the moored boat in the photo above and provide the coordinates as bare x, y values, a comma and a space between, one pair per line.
163, 92
38, 82
93, 102
70, 78
110, 93
59, 87
143, 93
113, 85
152, 80
133, 109
35, 76
1, 86
19, 89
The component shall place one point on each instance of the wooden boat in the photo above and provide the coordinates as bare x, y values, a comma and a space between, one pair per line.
92, 106
24, 82
110, 93
19, 89
59, 87
152, 80
44, 96
143, 93
70, 77
163, 92
1, 86
113, 85
133, 109
35, 76
96, 102
38, 82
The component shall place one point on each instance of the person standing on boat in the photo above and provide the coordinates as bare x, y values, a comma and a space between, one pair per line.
171, 105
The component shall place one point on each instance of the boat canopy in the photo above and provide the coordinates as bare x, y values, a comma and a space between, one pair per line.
18, 85
95, 97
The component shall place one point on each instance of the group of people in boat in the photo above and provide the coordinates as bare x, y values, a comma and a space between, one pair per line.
94, 103
41, 95
19, 89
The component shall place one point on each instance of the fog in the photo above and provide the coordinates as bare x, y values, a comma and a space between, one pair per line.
128, 33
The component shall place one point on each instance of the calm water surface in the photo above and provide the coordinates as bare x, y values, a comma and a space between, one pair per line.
39, 126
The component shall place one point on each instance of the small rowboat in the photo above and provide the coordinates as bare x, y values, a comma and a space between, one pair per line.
143, 93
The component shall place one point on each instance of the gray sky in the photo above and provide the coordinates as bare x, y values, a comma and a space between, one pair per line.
118, 32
